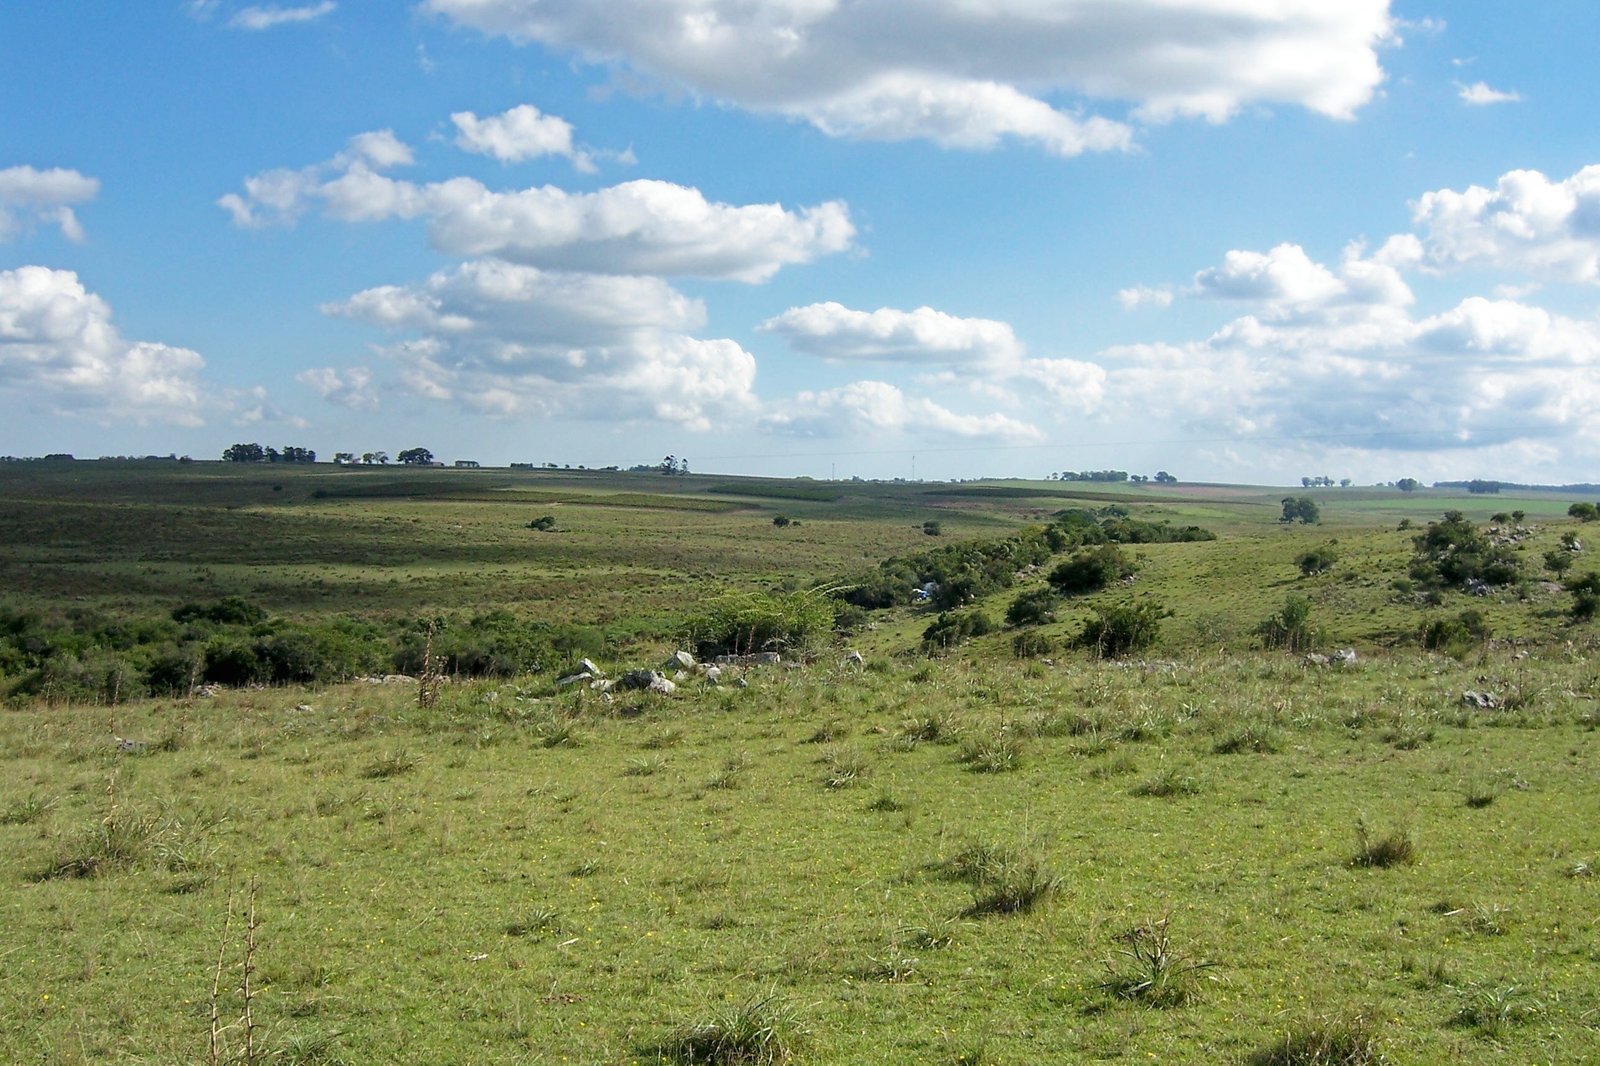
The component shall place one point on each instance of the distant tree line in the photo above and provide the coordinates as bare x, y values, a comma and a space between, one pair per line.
256, 453
1161, 477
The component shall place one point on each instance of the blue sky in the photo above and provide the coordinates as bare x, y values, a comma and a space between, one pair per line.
1241, 240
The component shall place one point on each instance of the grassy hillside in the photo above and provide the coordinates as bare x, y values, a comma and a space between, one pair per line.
1205, 852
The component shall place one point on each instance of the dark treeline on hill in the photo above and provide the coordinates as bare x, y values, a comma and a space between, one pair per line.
965, 571
1480, 485
256, 453
1161, 476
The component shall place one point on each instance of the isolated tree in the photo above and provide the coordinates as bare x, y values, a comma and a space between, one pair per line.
1584, 512
344, 458
244, 453
1302, 509
1164, 478
1408, 484
416, 457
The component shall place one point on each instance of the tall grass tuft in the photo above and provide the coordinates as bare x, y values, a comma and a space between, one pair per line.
124, 839
1004, 880
1491, 1011
1393, 848
759, 1031
993, 753
1346, 1041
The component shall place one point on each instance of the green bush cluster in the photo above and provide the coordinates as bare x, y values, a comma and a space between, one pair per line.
955, 627
1122, 629
755, 622
1290, 628
88, 656
966, 571
1091, 570
1455, 636
1453, 552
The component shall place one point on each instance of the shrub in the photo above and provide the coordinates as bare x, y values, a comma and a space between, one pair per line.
1585, 596
932, 528
1119, 630
1453, 552
544, 523
1290, 628
752, 622
1455, 636
1090, 571
781, 520
1032, 608
955, 627
1031, 644
1317, 560
230, 610
1557, 561
1584, 512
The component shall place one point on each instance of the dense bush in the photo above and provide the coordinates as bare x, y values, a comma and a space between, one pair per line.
85, 656
1317, 560
1454, 553
1032, 608
738, 625
1585, 596
959, 572
955, 627
1290, 628
1119, 629
1090, 571
1455, 636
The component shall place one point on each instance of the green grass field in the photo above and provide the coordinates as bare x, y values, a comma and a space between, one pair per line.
970, 858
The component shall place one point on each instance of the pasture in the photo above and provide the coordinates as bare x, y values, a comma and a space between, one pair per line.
1204, 852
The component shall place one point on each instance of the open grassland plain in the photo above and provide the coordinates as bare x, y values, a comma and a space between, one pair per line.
984, 838
903, 863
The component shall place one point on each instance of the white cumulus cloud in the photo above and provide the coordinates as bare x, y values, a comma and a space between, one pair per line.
28, 196
833, 331
1550, 229
523, 132
511, 340
637, 227
881, 407
968, 73
60, 350
972, 354
1138, 296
